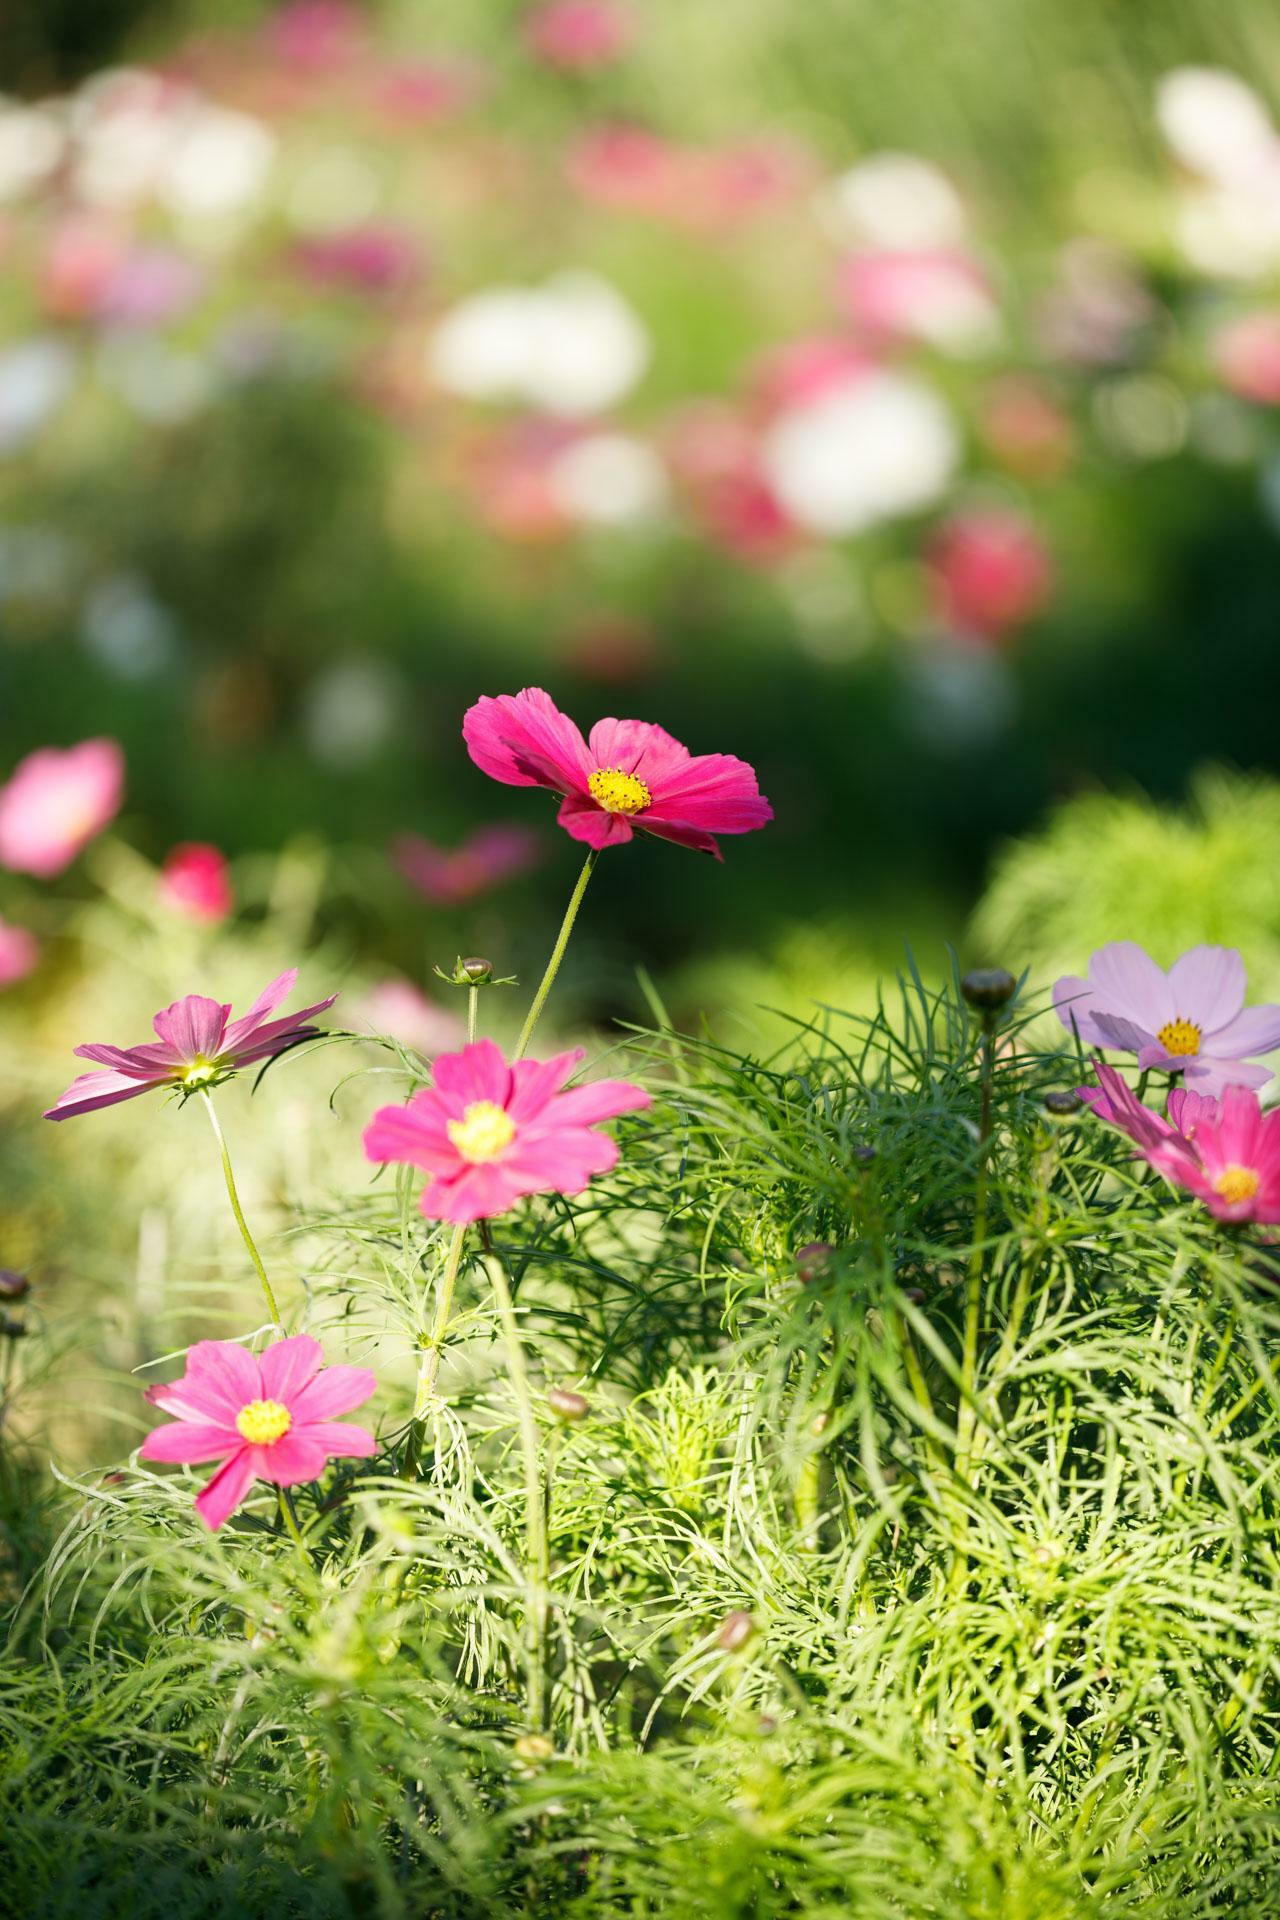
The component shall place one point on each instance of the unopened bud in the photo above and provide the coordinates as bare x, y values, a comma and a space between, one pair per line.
13, 1285
735, 1630
11, 1327
988, 988
1062, 1104
813, 1259
914, 1294
568, 1405
476, 969
864, 1155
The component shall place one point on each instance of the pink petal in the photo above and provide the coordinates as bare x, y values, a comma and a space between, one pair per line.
140, 1063
287, 1365
413, 1135
222, 1373
583, 820
290, 1460
1208, 986
1075, 1004
1189, 1110
714, 791
559, 1161
535, 1081
1210, 1076
1256, 1030
1238, 1129
334, 1390
1127, 981
636, 746
93, 1090
193, 1026
691, 837
267, 1001
226, 1490
477, 1072
257, 1042
601, 1100
476, 1193
339, 1441
187, 1441
524, 740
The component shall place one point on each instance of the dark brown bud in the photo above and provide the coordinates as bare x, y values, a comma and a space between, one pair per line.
814, 1259
476, 969
988, 988
864, 1155
914, 1294
568, 1405
13, 1285
11, 1327
1061, 1104
735, 1630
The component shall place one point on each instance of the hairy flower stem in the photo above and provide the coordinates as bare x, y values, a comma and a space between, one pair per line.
537, 1552
473, 1013
966, 1410
557, 955
238, 1211
430, 1366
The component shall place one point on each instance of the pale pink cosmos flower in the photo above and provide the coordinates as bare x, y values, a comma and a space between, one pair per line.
578, 36
19, 951
198, 1045
270, 1417
1191, 1020
488, 1133
446, 876
398, 1008
55, 802
1231, 1161
627, 774
194, 881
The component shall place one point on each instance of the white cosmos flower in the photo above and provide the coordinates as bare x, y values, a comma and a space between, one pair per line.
876, 446
36, 375
31, 144
608, 480
572, 347
1214, 122
219, 163
894, 200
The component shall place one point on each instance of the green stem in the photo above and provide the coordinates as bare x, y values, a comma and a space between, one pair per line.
537, 1554
557, 955
290, 1519
430, 1366
473, 1013
238, 1211
966, 1411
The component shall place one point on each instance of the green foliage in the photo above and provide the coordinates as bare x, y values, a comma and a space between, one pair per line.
1013, 1624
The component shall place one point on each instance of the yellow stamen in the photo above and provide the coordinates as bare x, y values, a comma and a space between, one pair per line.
263, 1421
619, 792
1180, 1038
198, 1072
484, 1132
1235, 1184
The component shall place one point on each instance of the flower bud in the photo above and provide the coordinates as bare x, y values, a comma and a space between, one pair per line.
13, 1285
1062, 1103
567, 1405
476, 969
813, 1259
11, 1328
988, 988
735, 1630
864, 1155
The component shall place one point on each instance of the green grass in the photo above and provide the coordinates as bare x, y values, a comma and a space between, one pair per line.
1017, 1663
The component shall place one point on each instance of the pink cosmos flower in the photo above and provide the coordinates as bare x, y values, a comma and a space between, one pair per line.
398, 1008
374, 259
627, 774
578, 36
488, 1133
1247, 355
19, 951
55, 802
269, 1417
941, 298
448, 876
193, 881
199, 1044
1191, 1020
1114, 1101
991, 572
1232, 1160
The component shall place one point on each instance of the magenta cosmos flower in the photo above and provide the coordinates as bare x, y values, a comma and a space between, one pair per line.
1231, 1160
489, 1133
449, 875
268, 1418
199, 1045
626, 774
1114, 1101
55, 802
195, 882
1191, 1020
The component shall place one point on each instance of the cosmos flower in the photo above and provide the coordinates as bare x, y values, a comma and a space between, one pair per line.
627, 774
446, 876
198, 1045
194, 882
488, 1133
1231, 1161
19, 951
55, 802
271, 1417
991, 572
578, 36
398, 1008
1191, 1020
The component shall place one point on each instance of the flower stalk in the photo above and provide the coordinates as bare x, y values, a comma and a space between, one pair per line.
557, 955
232, 1195
430, 1367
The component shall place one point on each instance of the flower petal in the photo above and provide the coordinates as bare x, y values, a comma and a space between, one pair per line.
583, 820
140, 1063
561, 1160
223, 1373
290, 1460
339, 1441
475, 1193
475, 1072
1127, 981
226, 1490
1208, 986
93, 1090
1256, 1030
638, 747
193, 1027
1207, 1075
333, 1390
287, 1365
692, 837
524, 740
413, 1135
187, 1442
535, 1081
600, 1100
267, 1001
714, 791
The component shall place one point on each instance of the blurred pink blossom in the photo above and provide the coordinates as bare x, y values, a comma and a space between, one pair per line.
316, 36
1026, 428
420, 90
991, 572
19, 951
713, 451
376, 258
448, 876
148, 286
941, 297
55, 802
194, 882
802, 370
398, 1008
1246, 353
80, 255
579, 36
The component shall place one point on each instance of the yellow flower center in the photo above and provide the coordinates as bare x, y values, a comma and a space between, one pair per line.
1180, 1038
1235, 1184
484, 1132
198, 1072
619, 792
263, 1421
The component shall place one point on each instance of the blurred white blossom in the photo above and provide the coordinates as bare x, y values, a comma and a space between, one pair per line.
571, 347
893, 200
864, 451
608, 480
